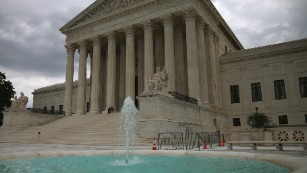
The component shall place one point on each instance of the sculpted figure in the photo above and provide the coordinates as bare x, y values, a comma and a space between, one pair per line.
159, 80
22, 101
14, 103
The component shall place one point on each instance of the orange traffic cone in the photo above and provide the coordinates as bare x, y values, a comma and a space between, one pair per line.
154, 144
223, 143
205, 145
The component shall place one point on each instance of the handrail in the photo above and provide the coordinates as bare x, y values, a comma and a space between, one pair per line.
184, 98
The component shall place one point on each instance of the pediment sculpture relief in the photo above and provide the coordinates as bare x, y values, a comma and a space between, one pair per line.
105, 7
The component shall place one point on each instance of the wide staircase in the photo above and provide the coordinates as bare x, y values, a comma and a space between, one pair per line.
101, 129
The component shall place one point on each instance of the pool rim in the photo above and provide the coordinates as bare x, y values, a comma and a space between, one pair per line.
294, 164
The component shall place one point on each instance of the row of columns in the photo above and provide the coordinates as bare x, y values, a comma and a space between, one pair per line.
196, 60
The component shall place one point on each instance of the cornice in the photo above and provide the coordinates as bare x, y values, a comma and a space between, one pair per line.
265, 51
57, 87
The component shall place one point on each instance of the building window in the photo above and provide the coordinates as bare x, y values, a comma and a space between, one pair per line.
280, 91
256, 92
303, 86
60, 109
305, 118
235, 94
52, 109
45, 110
226, 49
87, 106
283, 119
236, 122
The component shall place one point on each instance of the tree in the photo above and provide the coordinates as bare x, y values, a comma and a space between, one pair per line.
258, 120
6, 93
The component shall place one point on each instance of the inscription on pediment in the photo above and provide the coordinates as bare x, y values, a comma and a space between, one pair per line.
105, 7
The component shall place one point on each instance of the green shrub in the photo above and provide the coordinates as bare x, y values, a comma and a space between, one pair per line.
258, 120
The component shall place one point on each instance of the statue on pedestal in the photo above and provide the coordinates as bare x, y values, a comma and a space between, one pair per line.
14, 103
159, 81
22, 101
19, 104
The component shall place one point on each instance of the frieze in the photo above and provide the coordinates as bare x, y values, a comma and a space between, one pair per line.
166, 4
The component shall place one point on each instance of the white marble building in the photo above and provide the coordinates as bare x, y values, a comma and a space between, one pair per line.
127, 40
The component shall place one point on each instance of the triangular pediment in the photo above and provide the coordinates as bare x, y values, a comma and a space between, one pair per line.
99, 9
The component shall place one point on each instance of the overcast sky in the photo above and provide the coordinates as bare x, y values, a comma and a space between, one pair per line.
32, 52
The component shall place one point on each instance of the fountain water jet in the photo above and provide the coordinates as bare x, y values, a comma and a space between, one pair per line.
128, 123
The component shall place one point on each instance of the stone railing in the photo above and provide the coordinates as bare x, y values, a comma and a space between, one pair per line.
183, 97
293, 134
46, 111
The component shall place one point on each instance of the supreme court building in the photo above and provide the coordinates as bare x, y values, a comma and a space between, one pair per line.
127, 40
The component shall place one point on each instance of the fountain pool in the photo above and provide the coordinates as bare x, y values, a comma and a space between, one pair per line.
148, 164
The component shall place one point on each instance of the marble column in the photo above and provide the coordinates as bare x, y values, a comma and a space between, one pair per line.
69, 79
130, 63
140, 58
169, 51
95, 88
202, 65
82, 79
192, 60
158, 41
148, 52
217, 71
181, 68
208, 45
91, 77
111, 69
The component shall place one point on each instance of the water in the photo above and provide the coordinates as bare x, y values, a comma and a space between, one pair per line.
128, 123
138, 164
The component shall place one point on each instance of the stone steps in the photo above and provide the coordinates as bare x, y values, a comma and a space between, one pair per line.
87, 129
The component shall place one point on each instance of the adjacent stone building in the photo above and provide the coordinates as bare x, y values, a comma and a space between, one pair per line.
127, 40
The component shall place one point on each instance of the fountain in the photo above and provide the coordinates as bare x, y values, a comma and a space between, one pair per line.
128, 123
146, 161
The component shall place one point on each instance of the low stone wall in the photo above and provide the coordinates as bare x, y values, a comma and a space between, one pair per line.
24, 119
160, 113
271, 134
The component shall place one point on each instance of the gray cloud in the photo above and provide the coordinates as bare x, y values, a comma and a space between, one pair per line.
258, 23
32, 52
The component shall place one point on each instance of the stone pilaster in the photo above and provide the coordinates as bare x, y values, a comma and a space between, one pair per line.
69, 79
148, 51
169, 51
111, 69
202, 62
81, 94
192, 60
95, 87
292, 81
130, 63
